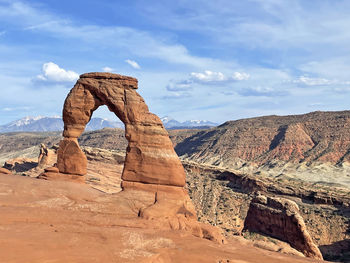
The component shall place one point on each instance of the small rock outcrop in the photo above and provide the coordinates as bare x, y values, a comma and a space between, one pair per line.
5, 171
46, 157
19, 165
280, 218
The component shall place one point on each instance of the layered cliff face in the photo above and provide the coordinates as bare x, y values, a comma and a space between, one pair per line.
313, 137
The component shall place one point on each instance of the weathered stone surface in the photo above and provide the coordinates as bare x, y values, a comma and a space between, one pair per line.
52, 169
70, 158
55, 176
4, 171
46, 157
280, 218
168, 206
150, 157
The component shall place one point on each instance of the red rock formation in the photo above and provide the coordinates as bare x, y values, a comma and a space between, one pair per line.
20, 164
312, 137
46, 157
150, 156
280, 218
153, 176
4, 171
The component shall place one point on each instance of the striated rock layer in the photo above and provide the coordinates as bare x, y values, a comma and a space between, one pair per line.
280, 218
313, 137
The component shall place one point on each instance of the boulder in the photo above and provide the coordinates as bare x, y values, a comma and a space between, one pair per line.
280, 218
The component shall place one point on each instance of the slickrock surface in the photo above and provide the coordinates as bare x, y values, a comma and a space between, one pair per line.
55, 221
280, 218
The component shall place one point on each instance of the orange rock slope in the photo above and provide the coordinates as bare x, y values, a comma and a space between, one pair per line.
58, 221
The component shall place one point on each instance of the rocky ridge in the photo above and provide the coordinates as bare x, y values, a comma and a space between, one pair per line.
312, 137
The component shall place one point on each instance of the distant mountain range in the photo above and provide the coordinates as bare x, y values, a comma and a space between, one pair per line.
171, 123
55, 123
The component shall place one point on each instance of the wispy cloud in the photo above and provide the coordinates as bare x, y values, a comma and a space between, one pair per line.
319, 81
261, 91
182, 85
133, 63
133, 41
21, 108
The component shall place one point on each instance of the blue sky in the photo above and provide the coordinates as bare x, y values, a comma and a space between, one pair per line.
214, 60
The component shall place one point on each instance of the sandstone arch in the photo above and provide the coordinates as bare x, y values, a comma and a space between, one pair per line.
153, 177
150, 157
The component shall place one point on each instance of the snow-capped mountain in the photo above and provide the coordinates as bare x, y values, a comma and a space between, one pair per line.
55, 123
198, 123
171, 123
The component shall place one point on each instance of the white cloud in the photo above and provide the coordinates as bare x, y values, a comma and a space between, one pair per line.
240, 76
133, 63
210, 76
184, 85
52, 72
107, 69
319, 81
